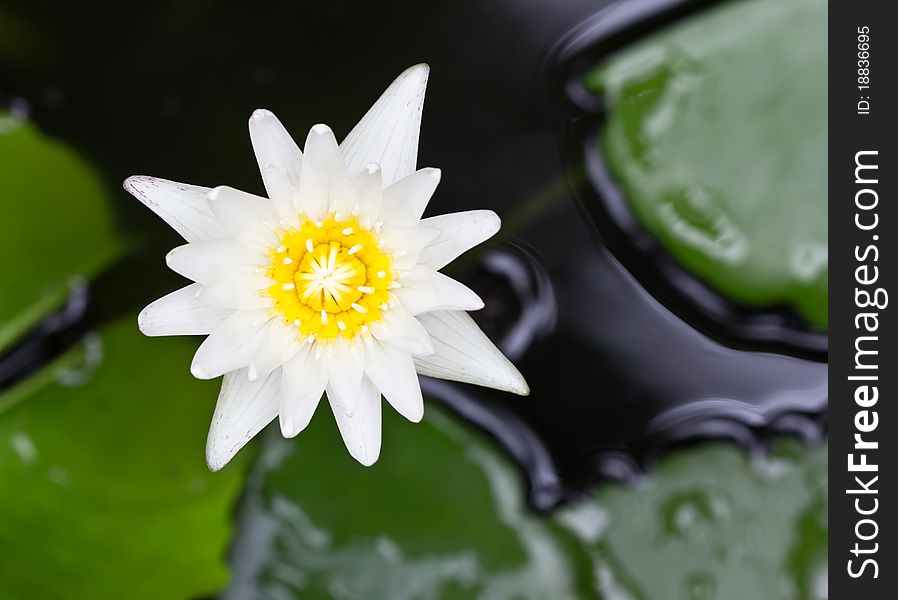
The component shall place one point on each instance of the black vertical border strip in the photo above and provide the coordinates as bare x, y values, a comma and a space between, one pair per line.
849, 134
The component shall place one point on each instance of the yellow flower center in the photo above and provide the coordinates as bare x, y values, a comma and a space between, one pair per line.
331, 278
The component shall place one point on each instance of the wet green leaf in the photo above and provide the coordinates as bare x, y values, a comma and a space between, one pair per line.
716, 132
439, 516
710, 522
57, 225
105, 491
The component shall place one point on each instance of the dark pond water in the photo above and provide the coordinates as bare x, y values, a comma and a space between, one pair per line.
622, 363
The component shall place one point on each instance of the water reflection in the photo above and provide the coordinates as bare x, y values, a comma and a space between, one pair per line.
616, 376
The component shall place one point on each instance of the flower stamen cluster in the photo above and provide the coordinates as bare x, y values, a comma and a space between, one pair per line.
332, 278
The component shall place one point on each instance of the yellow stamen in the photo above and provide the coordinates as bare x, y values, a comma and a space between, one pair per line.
332, 279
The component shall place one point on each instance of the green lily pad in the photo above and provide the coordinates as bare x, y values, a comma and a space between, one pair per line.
442, 516
716, 132
439, 516
712, 523
57, 225
105, 490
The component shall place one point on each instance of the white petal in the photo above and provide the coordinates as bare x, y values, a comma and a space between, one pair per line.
344, 364
362, 430
388, 133
392, 371
365, 193
301, 391
231, 345
424, 290
244, 408
201, 261
403, 330
323, 181
459, 232
404, 201
283, 194
238, 290
462, 352
406, 244
282, 344
250, 219
181, 313
274, 146
184, 207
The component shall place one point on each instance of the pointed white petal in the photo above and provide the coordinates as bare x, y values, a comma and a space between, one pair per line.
365, 193
274, 146
388, 133
406, 244
425, 290
323, 182
304, 381
244, 408
281, 345
284, 195
181, 313
459, 232
184, 207
244, 290
231, 345
362, 431
402, 330
250, 219
462, 352
392, 371
345, 366
202, 261
404, 201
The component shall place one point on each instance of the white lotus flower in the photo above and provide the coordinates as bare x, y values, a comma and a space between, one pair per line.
330, 284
